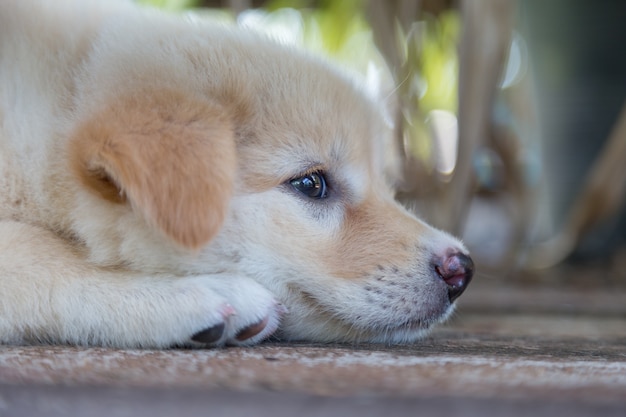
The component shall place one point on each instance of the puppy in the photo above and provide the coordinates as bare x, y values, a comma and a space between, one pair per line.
170, 183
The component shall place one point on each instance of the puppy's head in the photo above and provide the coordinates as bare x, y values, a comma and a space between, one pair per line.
269, 164
315, 220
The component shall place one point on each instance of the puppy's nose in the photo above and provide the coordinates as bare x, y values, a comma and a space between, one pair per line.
456, 270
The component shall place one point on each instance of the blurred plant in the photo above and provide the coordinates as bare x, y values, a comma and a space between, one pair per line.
337, 29
331, 23
171, 4
437, 61
428, 82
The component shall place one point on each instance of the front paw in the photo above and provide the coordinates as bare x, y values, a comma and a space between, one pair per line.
249, 313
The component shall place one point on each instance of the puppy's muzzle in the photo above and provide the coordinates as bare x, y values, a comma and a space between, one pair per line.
456, 270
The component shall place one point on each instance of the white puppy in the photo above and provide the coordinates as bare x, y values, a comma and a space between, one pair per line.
168, 183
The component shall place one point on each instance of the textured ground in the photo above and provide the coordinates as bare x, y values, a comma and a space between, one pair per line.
510, 349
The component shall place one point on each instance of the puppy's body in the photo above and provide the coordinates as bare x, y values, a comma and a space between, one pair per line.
146, 196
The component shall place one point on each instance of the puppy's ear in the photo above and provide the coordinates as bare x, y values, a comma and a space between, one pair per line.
170, 156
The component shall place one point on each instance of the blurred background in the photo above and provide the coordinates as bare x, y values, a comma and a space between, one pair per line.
509, 117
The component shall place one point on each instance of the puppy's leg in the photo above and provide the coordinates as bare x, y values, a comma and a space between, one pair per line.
50, 294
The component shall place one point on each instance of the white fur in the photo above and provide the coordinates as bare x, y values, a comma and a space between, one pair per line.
77, 269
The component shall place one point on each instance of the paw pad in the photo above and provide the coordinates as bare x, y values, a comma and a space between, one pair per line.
252, 330
210, 335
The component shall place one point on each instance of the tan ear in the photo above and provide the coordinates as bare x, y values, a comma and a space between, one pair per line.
170, 156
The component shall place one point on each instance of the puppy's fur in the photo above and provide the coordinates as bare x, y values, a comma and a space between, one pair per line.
145, 195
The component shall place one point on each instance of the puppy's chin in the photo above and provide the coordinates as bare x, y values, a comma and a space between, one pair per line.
322, 327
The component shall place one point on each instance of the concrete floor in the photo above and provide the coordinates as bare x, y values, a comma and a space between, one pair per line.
511, 350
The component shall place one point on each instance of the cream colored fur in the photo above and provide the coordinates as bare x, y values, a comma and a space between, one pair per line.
145, 163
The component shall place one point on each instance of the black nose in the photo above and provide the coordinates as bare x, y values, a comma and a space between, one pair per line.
456, 270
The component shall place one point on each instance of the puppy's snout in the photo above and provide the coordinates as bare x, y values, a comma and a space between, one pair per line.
456, 270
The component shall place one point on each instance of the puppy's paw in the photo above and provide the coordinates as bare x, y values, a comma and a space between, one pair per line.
250, 333
249, 313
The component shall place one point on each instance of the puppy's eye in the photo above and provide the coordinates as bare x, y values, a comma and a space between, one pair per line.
311, 185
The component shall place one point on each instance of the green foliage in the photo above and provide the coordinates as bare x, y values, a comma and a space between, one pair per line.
439, 63
338, 20
274, 5
335, 28
170, 4
429, 79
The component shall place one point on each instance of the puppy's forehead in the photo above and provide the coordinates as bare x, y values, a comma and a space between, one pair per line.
309, 119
